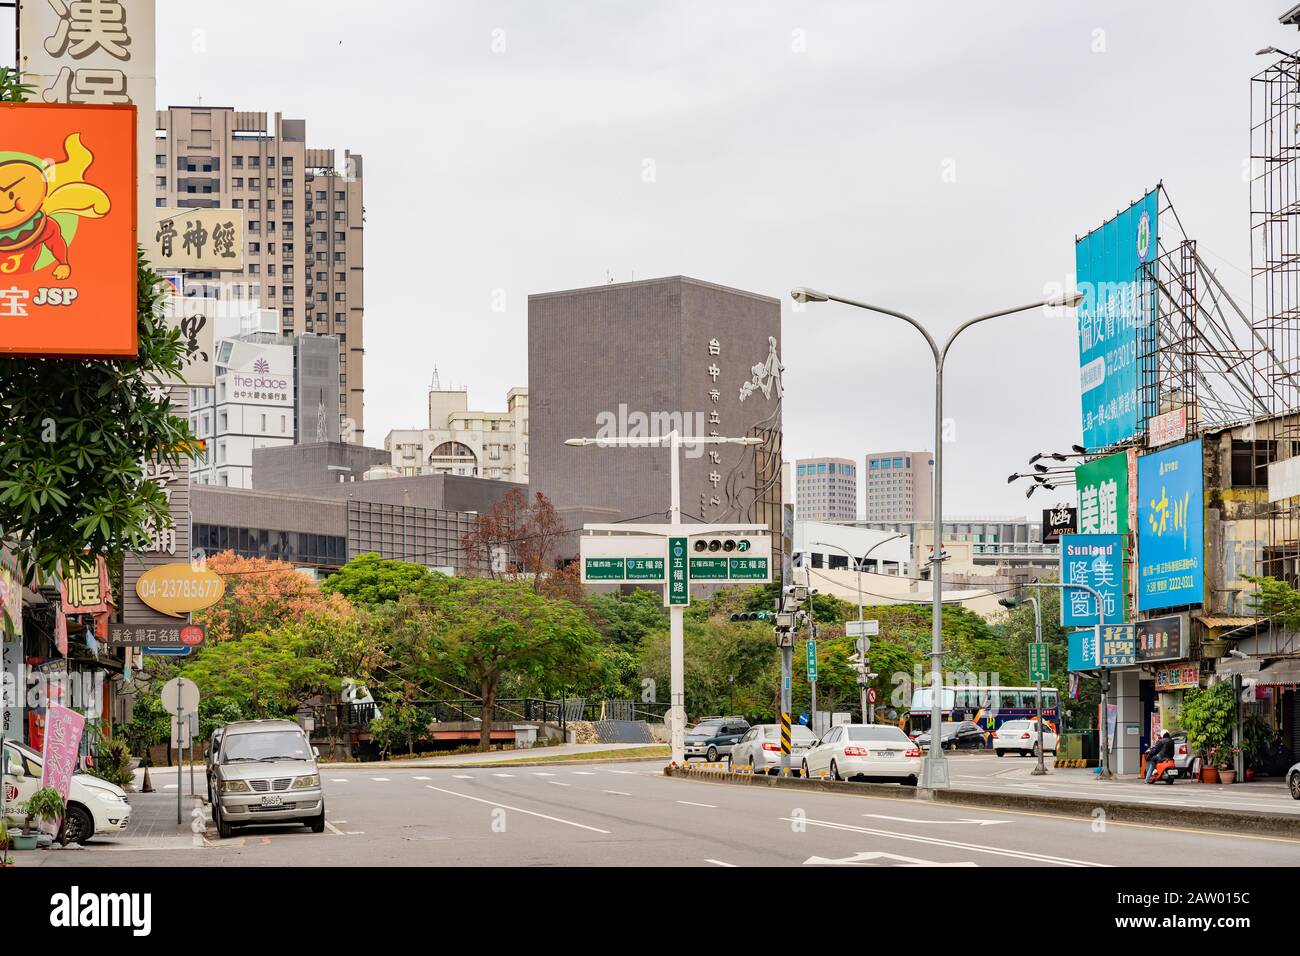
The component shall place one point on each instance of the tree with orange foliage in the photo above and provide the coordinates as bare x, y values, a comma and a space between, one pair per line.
262, 595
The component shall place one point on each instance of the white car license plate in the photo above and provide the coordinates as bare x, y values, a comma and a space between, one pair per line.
884, 753
273, 800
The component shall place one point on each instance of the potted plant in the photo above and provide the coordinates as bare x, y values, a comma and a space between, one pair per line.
46, 804
1208, 715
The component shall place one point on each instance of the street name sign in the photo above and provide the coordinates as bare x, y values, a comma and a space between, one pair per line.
1038, 663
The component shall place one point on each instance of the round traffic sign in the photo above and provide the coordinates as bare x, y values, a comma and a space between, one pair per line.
871, 695
180, 693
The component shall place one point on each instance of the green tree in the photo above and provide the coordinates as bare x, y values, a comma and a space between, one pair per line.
74, 436
370, 579
488, 631
1018, 628
271, 673
626, 619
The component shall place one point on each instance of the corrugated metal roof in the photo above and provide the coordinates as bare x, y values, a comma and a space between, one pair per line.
1282, 672
1226, 620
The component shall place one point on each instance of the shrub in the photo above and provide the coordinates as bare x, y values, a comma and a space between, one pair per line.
113, 762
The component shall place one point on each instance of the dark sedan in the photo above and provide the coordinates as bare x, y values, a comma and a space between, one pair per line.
962, 735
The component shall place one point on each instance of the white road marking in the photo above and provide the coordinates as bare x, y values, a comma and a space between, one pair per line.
462, 776
339, 779
558, 783
380, 779
423, 778
538, 773
721, 863
333, 829
954, 844
503, 775
691, 803
531, 813
865, 856
983, 823
169, 786
618, 793
623, 771
584, 773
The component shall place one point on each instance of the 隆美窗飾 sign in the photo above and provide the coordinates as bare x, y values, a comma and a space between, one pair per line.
1097, 562
67, 230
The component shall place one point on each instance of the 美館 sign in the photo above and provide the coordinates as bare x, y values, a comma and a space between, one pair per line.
67, 230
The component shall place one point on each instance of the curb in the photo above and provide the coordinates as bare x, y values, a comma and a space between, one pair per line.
1114, 811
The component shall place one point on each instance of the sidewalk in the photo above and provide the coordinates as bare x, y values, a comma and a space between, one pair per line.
1262, 795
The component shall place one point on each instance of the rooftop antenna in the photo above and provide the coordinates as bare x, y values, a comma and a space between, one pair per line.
435, 385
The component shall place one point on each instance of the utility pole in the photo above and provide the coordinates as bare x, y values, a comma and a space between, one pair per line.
676, 533
812, 657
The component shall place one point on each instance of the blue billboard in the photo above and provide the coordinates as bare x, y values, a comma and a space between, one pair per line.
1106, 265
1116, 646
1097, 561
1171, 527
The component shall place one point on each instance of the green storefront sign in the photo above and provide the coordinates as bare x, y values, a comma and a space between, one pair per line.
605, 569
1104, 503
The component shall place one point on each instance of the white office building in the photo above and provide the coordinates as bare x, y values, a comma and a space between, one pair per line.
459, 441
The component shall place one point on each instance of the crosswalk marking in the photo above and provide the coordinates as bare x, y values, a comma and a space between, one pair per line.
380, 779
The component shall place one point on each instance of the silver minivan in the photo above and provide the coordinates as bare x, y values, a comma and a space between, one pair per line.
264, 771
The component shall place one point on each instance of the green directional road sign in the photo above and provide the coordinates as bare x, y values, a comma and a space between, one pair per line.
644, 569
709, 569
748, 569
677, 591
605, 569
1038, 663
812, 661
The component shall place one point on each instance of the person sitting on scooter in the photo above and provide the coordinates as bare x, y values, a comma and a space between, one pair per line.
1161, 750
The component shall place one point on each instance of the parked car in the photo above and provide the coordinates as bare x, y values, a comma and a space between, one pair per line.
760, 748
872, 751
214, 745
959, 735
1184, 755
95, 806
1293, 781
265, 772
1021, 736
713, 738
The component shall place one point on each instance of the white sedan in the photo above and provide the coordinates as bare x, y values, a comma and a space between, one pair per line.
94, 805
759, 751
1021, 736
869, 751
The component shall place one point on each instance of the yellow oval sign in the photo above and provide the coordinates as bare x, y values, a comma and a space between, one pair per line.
177, 589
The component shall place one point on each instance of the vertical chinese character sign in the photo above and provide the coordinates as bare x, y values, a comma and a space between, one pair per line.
62, 741
1096, 561
95, 52
1108, 263
1171, 527
67, 231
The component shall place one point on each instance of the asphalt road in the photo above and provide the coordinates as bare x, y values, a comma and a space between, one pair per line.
629, 814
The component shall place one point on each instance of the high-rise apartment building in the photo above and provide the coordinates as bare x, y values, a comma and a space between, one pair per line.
303, 227
900, 486
826, 489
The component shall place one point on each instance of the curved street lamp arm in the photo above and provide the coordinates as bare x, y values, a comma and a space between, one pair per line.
984, 318
934, 346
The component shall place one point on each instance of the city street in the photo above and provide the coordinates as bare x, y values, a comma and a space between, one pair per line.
629, 814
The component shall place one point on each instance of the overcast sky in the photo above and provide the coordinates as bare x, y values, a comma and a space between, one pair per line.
937, 158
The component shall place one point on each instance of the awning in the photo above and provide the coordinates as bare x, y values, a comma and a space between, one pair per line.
1279, 673
1226, 620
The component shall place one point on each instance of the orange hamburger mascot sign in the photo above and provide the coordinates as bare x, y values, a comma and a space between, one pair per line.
67, 230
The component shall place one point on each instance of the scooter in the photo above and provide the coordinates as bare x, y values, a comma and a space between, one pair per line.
1166, 771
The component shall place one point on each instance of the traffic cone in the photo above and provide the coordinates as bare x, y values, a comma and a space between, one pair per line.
147, 785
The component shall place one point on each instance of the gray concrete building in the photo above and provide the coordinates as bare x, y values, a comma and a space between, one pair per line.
303, 227
642, 358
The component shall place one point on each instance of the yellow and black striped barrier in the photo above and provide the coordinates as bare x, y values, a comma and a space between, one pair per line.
785, 734
1073, 762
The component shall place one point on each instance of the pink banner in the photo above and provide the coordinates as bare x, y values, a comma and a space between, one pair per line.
59, 756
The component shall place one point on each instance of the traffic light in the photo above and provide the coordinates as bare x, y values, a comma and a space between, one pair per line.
751, 616
1009, 602
725, 545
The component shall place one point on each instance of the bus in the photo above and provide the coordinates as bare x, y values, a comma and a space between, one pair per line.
990, 707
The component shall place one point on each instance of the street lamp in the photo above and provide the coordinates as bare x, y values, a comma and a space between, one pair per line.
934, 773
859, 562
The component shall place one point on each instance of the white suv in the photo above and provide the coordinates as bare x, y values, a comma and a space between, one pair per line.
1021, 736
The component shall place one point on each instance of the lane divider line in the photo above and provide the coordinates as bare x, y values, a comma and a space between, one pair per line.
531, 813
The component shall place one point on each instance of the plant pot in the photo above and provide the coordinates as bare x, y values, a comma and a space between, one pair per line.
1250, 774
1227, 776
1209, 775
23, 841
